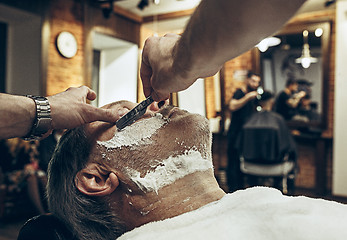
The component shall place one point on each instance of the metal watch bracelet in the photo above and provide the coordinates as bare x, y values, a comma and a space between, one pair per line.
43, 120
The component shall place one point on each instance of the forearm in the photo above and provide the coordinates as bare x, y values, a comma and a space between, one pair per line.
17, 115
293, 102
236, 104
220, 30
68, 110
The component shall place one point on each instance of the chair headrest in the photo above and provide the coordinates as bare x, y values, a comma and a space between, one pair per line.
45, 226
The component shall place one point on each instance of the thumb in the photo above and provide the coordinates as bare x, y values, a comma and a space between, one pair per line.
101, 114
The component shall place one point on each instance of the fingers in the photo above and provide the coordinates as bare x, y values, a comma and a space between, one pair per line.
156, 72
252, 95
91, 95
80, 112
101, 114
146, 74
81, 93
87, 93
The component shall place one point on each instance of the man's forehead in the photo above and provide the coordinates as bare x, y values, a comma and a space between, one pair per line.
120, 103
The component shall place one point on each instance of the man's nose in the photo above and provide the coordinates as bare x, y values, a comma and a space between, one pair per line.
155, 106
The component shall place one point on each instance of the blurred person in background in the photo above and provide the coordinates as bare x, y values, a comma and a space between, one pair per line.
242, 106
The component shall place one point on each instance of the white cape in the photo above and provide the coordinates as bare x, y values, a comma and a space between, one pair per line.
255, 213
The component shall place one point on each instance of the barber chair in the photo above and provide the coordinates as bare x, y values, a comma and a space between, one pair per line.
45, 227
267, 150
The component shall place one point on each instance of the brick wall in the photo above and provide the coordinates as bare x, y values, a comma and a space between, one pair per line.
80, 18
63, 72
242, 62
210, 97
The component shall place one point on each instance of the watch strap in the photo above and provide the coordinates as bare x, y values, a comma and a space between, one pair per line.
43, 120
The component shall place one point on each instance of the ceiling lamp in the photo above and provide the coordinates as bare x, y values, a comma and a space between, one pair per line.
306, 59
318, 32
145, 3
268, 42
106, 7
142, 4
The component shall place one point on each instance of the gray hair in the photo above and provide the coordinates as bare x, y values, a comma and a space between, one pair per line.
86, 217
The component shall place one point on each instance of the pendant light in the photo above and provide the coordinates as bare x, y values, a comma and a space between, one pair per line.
268, 42
306, 59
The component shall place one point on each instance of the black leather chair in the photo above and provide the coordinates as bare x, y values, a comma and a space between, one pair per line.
45, 227
267, 150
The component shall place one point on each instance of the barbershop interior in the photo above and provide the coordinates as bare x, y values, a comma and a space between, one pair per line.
47, 47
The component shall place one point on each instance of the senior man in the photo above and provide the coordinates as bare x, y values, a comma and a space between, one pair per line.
154, 180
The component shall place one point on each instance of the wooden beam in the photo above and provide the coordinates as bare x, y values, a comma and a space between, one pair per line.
124, 13
136, 18
171, 15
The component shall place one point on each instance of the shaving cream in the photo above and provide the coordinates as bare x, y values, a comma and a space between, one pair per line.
138, 133
171, 169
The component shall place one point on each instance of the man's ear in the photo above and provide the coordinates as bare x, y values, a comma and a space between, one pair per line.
93, 181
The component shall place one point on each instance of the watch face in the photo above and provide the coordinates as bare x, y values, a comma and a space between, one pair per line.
67, 44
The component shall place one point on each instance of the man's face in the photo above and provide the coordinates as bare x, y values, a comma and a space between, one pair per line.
158, 135
253, 82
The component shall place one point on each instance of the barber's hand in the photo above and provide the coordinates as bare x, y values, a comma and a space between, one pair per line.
301, 94
162, 73
251, 95
69, 109
158, 77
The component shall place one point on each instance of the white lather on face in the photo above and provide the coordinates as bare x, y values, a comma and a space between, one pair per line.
171, 169
137, 134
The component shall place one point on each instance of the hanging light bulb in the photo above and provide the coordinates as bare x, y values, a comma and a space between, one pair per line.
318, 32
268, 42
306, 59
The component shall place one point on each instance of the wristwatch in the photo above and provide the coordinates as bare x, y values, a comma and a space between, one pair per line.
43, 120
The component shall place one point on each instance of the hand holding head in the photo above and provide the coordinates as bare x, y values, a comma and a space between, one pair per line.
69, 109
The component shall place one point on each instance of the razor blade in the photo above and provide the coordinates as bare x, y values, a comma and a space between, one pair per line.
134, 114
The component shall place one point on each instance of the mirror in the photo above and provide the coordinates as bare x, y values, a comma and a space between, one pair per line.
301, 55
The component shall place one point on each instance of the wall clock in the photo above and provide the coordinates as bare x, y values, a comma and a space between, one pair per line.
66, 44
